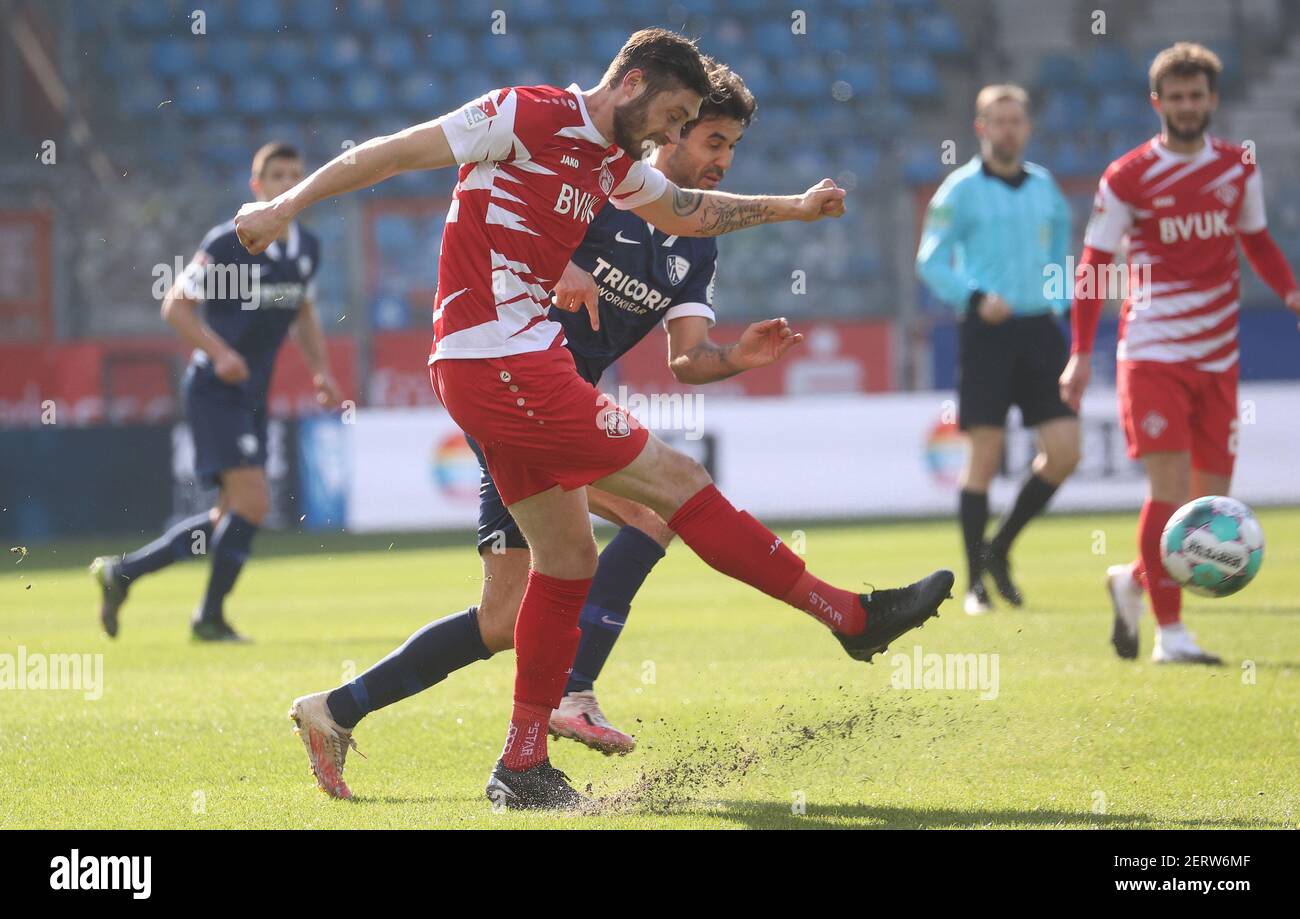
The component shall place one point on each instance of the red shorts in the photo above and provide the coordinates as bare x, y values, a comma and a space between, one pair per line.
1175, 407
538, 422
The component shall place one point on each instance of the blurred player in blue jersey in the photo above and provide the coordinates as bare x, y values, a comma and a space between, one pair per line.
625, 279
249, 303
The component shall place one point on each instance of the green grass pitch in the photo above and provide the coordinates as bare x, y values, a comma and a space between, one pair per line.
748, 714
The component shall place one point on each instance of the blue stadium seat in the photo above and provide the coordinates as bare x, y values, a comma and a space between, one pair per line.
921, 165
365, 92
223, 143
605, 42
897, 39
1065, 111
313, 15
142, 96
552, 43
1118, 111
421, 94
915, 6
260, 15
447, 50
500, 50
198, 94
367, 15
310, 94
862, 75
938, 33
587, 10
255, 94
338, 53
288, 56
774, 39
914, 78
393, 52
530, 13
1108, 67
1058, 71
230, 55
805, 80
172, 57
150, 15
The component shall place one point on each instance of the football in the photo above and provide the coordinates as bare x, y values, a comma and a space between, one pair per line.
1213, 546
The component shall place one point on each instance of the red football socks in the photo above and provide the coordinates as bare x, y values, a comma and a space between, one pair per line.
737, 545
1166, 595
546, 638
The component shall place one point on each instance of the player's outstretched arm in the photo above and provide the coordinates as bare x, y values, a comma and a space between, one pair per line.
1085, 311
688, 212
310, 339
423, 146
693, 358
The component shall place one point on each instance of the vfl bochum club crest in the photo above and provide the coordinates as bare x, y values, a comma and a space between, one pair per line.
677, 268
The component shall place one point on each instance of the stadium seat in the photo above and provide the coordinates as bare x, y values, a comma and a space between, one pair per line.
393, 52
260, 15
421, 94
313, 15
141, 96
1108, 67
198, 94
914, 78
288, 56
1065, 111
172, 57
255, 94
365, 92
310, 94
550, 44
774, 39
230, 55
938, 33
605, 42
1058, 71
501, 50
921, 165
1118, 111
367, 15
447, 51
337, 53
151, 15
805, 80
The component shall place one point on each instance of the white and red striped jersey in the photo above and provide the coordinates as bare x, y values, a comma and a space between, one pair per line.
1180, 216
534, 173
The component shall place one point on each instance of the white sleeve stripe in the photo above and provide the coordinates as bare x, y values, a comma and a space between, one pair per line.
1111, 219
677, 311
1252, 218
642, 184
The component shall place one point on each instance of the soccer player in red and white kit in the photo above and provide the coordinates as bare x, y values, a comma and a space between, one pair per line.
1182, 200
536, 164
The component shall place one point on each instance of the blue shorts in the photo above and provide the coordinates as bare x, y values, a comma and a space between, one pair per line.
496, 528
228, 432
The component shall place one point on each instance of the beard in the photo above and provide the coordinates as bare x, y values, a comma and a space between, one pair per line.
1186, 136
630, 126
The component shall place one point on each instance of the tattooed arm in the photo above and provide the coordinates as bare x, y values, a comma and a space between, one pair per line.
687, 212
694, 358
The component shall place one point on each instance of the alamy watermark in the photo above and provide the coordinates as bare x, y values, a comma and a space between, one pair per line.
969, 672
26, 671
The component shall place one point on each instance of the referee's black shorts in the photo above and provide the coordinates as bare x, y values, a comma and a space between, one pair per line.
1016, 362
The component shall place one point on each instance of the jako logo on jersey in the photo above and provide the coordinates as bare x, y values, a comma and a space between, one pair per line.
677, 268
581, 204
570, 161
477, 113
1204, 225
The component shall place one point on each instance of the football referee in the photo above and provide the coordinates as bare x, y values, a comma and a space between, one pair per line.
991, 231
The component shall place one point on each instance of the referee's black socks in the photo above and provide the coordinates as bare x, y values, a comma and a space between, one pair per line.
1031, 501
973, 509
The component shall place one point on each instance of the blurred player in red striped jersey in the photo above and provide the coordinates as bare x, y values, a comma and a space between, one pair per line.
1182, 201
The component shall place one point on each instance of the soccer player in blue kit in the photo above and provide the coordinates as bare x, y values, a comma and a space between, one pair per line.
249, 304
625, 278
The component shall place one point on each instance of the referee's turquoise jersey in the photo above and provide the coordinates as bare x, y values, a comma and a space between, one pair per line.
986, 234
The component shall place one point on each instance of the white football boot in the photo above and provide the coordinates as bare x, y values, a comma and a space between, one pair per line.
1126, 599
579, 718
1176, 645
327, 743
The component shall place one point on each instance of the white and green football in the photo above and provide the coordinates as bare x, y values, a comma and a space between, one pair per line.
1213, 546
